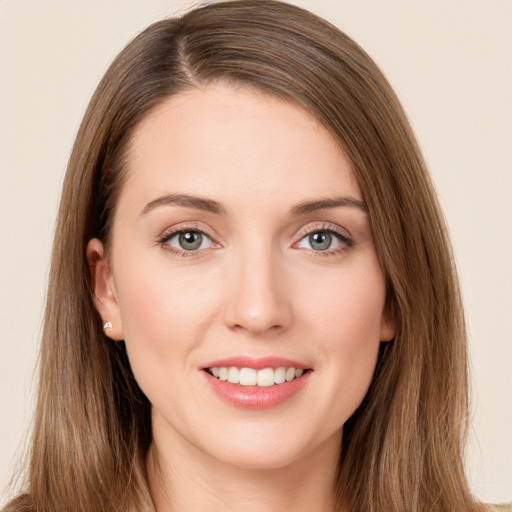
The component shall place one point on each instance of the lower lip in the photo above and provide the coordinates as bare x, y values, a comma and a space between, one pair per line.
255, 397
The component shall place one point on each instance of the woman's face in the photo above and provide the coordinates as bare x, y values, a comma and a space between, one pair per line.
241, 240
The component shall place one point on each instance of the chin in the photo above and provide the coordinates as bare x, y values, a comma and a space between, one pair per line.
254, 460
270, 449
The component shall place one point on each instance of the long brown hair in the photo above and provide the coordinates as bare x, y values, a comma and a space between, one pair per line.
403, 448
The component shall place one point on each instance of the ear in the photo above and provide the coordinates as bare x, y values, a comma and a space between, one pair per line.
388, 324
104, 289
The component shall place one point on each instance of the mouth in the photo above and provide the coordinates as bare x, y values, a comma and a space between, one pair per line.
256, 382
263, 378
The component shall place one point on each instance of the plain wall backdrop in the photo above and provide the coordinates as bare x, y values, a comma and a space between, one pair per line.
450, 61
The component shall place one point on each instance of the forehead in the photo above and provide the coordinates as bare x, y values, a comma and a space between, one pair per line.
235, 142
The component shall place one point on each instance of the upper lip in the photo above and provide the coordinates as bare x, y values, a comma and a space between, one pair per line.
258, 363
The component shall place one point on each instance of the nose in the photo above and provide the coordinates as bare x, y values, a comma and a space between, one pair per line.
258, 300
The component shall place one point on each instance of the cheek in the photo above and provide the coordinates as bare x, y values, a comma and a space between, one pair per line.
157, 298
164, 315
347, 320
348, 308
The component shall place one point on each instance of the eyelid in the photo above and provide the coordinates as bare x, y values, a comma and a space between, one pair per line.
342, 234
171, 232
324, 226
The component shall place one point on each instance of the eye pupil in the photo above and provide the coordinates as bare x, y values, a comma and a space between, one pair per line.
320, 240
190, 240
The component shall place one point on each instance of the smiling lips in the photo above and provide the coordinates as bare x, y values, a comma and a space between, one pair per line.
256, 383
251, 377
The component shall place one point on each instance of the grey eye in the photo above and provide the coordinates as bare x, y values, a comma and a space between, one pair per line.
190, 240
320, 241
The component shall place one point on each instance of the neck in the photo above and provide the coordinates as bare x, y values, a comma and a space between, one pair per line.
182, 479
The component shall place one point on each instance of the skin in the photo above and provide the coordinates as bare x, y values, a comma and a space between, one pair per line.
258, 286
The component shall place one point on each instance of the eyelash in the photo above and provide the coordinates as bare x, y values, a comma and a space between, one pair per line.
168, 235
346, 241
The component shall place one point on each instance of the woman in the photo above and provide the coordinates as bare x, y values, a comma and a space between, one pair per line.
252, 300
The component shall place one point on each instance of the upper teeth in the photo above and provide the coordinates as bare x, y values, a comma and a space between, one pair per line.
252, 377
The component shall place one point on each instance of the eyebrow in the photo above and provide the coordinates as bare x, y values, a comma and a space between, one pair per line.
323, 204
186, 200
209, 205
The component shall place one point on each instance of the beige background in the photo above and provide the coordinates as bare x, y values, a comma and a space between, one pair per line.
450, 62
